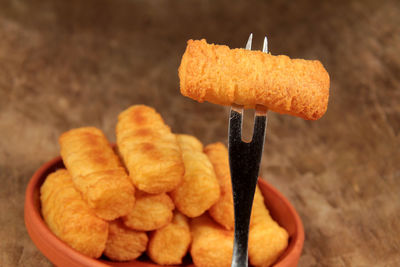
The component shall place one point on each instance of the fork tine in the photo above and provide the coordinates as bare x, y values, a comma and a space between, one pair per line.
260, 120
235, 124
265, 45
260, 124
249, 41
236, 114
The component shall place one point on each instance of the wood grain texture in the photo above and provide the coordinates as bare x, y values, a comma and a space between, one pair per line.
66, 64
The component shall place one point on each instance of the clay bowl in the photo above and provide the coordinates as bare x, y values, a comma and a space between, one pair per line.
63, 256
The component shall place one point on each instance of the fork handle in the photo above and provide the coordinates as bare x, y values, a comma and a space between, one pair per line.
244, 161
242, 201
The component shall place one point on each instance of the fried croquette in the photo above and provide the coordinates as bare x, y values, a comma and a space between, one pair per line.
168, 245
123, 243
222, 211
151, 212
69, 217
199, 189
97, 172
212, 245
149, 150
267, 240
224, 76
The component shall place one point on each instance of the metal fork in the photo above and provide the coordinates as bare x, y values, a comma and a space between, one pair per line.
244, 161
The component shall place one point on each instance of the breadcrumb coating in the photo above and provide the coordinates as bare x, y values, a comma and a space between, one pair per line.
123, 243
199, 189
224, 76
149, 150
222, 211
151, 212
168, 245
69, 217
97, 172
212, 245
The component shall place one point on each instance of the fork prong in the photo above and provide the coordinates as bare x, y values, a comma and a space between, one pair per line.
249, 41
260, 124
261, 110
237, 108
265, 45
235, 126
260, 120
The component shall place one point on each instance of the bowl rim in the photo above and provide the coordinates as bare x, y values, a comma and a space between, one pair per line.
36, 228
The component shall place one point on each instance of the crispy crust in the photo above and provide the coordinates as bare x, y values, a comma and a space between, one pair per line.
199, 189
222, 211
267, 240
97, 172
224, 76
168, 245
124, 244
212, 245
150, 212
69, 216
149, 150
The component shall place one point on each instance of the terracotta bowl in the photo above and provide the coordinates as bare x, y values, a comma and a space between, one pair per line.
62, 255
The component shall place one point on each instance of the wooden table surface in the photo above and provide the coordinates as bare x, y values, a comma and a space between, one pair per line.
66, 64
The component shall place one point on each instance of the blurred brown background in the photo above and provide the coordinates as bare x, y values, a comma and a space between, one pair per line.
66, 64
